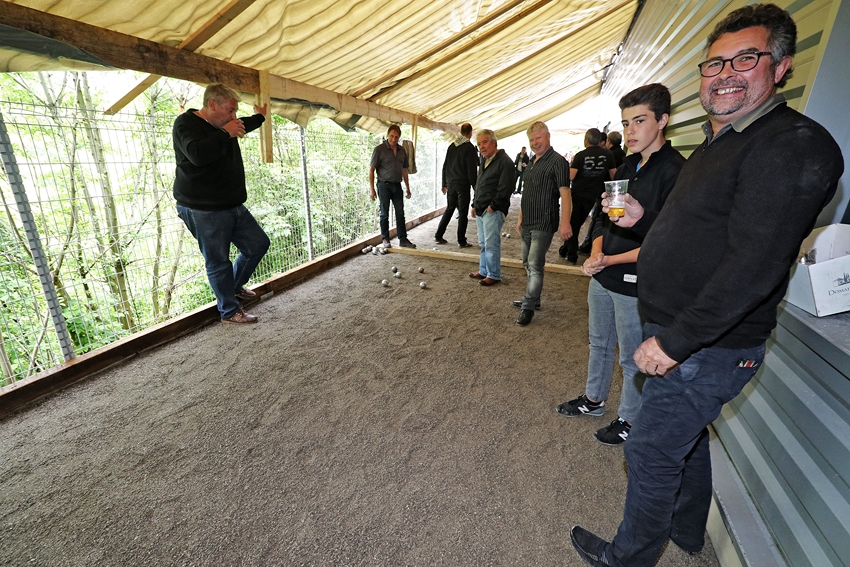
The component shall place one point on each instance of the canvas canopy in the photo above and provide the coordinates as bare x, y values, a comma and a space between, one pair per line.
500, 64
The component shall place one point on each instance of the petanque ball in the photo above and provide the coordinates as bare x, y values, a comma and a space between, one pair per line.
397, 275
385, 283
422, 285
394, 269
421, 270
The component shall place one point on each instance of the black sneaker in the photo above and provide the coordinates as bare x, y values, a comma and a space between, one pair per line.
525, 317
571, 261
439, 240
464, 245
589, 546
615, 433
406, 244
518, 303
582, 406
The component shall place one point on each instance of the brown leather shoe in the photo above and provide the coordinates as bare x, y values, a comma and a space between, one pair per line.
488, 281
476, 276
241, 318
245, 294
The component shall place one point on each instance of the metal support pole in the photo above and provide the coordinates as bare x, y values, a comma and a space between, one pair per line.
34, 242
309, 217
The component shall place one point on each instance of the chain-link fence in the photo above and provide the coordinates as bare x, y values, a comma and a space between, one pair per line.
99, 191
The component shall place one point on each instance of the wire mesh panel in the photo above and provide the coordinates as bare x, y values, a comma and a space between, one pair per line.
100, 186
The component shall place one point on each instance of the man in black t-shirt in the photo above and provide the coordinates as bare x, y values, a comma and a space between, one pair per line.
591, 168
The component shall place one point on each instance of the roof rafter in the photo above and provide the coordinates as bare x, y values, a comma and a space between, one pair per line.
448, 57
191, 43
128, 52
543, 49
433, 51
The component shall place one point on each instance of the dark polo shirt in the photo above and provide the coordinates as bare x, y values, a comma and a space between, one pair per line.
388, 165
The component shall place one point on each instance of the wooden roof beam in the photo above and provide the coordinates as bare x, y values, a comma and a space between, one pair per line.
191, 43
128, 52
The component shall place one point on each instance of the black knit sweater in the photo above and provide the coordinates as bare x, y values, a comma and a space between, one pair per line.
210, 175
715, 264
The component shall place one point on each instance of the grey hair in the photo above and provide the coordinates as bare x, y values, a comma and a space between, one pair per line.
219, 93
489, 134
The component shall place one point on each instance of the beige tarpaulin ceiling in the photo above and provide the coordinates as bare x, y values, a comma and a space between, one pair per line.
499, 64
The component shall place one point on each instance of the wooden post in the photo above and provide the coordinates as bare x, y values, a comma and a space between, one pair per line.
264, 98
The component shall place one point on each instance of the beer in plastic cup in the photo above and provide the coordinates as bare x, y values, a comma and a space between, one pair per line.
616, 191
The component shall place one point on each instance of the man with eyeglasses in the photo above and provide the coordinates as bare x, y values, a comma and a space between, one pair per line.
711, 272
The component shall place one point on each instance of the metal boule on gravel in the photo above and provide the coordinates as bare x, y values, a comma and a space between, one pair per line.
397, 275
394, 269
421, 270
385, 283
423, 285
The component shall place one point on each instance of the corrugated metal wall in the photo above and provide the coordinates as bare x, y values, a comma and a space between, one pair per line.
788, 433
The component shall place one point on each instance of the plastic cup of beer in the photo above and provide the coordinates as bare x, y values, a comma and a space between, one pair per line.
616, 191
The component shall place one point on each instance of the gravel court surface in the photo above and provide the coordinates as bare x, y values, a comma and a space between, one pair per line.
354, 425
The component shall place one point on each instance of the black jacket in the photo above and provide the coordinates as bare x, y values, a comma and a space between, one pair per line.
650, 186
495, 185
461, 165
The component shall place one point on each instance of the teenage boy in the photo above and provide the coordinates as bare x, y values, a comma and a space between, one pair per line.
651, 169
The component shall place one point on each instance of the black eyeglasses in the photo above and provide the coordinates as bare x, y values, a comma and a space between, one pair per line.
741, 62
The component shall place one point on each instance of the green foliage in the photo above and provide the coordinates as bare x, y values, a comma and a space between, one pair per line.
100, 192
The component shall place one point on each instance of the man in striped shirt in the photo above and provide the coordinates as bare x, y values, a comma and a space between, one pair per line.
546, 179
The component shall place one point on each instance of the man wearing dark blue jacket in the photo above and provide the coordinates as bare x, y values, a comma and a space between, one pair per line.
712, 271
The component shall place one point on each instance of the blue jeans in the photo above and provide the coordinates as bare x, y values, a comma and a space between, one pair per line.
214, 231
613, 318
669, 489
490, 240
389, 191
535, 244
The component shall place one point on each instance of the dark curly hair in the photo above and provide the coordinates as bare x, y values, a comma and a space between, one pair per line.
782, 31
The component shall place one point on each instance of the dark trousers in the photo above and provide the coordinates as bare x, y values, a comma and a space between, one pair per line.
519, 182
582, 205
669, 488
457, 197
391, 192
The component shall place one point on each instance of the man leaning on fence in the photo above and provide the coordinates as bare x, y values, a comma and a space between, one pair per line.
209, 188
